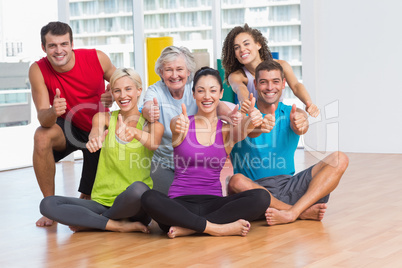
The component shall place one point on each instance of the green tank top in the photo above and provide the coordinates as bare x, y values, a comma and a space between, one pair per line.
120, 165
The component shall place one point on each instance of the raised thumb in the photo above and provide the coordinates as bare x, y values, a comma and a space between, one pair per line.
184, 109
57, 93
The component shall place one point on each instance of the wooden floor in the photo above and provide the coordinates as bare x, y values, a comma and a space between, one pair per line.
362, 228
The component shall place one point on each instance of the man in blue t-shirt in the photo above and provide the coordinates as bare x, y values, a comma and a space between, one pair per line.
265, 159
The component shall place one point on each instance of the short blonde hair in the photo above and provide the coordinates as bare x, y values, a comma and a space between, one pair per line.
122, 72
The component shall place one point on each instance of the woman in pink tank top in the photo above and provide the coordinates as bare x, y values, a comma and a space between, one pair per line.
201, 144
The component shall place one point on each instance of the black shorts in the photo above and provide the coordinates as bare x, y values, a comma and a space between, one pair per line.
76, 139
289, 189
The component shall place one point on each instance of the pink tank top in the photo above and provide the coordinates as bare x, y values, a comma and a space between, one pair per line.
82, 87
198, 167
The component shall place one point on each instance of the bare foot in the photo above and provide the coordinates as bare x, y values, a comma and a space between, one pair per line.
275, 217
315, 212
126, 226
239, 227
176, 231
85, 196
43, 222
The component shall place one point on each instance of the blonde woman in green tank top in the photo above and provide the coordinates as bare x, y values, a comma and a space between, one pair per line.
127, 141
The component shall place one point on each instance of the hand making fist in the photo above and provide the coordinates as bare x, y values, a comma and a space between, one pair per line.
59, 104
182, 122
235, 116
298, 120
107, 98
95, 144
312, 109
154, 112
245, 105
254, 114
125, 133
269, 120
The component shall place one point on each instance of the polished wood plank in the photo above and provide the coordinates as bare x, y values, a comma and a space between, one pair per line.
362, 228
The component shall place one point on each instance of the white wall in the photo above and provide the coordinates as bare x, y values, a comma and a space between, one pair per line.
352, 56
22, 21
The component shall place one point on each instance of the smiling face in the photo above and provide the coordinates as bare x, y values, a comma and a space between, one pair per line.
126, 93
59, 51
175, 74
207, 93
246, 49
269, 86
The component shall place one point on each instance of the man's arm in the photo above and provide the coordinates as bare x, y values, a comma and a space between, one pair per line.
46, 114
108, 70
107, 66
267, 125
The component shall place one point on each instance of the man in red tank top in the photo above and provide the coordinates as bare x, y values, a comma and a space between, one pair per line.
67, 88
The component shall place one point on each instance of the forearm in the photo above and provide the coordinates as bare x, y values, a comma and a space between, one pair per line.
47, 117
301, 93
145, 111
241, 131
255, 132
223, 110
146, 139
242, 94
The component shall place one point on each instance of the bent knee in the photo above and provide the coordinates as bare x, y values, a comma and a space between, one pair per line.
342, 160
239, 183
263, 197
137, 188
45, 138
148, 199
46, 205
42, 138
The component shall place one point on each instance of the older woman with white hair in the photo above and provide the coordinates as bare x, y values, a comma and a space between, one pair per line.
176, 67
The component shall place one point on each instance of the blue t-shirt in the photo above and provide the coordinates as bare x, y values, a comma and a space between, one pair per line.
269, 154
169, 108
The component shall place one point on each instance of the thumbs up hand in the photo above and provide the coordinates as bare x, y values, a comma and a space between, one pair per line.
59, 104
254, 114
298, 120
269, 120
95, 144
245, 105
107, 97
312, 109
235, 116
154, 111
124, 132
182, 123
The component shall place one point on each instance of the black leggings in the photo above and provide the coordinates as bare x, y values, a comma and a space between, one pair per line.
74, 211
193, 211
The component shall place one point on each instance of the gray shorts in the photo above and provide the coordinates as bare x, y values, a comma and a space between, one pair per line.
289, 189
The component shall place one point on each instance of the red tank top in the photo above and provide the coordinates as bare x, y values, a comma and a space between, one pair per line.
82, 87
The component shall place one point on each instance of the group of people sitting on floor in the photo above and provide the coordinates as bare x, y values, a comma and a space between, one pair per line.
161, 159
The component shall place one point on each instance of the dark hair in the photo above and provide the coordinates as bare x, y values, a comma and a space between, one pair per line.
229, 61
55, 28
268, 65
204, 71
